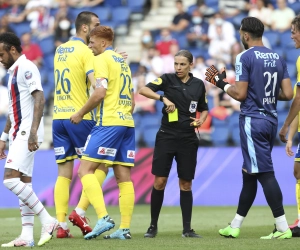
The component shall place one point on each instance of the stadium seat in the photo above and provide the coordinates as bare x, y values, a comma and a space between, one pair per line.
281, 106
191, 8
285, 40
73, 12
134, 67
20, 28
47, 45
136, 6
111, 24
114, 3
273, 38
120, 15
182, 41
295, 7
279, 50
212, 3
291, 55
149, 136
104, 13
234, 127
220, 131
48, 61
292, 69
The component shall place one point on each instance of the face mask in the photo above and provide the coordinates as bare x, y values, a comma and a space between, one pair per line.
218, 21
146, 39
196, 19
64, 24
166, 38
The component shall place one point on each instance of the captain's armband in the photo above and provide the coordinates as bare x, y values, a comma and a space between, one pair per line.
101, 83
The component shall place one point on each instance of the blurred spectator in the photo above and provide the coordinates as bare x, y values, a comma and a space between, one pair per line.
4, 24
165, 41
62, 11
199, 70
197, 35
232, 8
181, 20
153, 62
154, 7
227, 27
3, 104
168, 60
62, 25
282, 17
16, 12
261, 11
4, 4
32, 51
84, 3
204, 9
147, 40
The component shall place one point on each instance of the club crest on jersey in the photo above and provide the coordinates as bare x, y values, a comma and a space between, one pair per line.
193, 106
238, 68
28, 75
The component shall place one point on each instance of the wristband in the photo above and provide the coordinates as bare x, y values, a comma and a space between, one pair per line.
227, 86
4, 136
161, 98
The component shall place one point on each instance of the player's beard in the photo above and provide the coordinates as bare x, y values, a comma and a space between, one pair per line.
246, 46
10, 61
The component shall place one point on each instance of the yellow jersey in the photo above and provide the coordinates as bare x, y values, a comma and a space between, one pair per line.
115, 109
73, 61
295, 87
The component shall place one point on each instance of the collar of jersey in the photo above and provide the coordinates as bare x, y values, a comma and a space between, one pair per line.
21, 58
109, 48
77, 38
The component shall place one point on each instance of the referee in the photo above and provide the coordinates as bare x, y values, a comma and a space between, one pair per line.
184, 94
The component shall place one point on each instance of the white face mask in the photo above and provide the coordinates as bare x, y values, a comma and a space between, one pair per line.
218, 21
146, 39
64, 24
197, 19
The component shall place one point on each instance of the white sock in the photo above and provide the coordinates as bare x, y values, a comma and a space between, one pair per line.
80, 211
28, 197
27, 217
281, 223
63, 225
237, 221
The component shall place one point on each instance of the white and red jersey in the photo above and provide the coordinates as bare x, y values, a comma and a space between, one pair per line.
24, 78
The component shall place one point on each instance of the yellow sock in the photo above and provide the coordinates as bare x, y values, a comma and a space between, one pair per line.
61, 197
94, 193
298, 195
84, 201
126, 203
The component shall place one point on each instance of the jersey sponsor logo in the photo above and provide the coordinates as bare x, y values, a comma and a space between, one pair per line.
59, 151
269, 58
118, 59
79, 150
124, 116
157, 81
63, 109
61, 50
32, 84
107, 151
130, 154
193, 106
28, 75
9, 161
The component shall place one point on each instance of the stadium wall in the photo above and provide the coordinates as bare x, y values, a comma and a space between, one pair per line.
217, 180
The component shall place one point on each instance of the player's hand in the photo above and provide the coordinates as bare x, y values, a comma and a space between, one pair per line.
170, 106
288, 148
213, 76
76, 118
196, 122
2, 148
33, 144
282, 133
123, 54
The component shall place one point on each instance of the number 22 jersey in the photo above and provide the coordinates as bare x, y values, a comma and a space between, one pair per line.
73, 61
264, 71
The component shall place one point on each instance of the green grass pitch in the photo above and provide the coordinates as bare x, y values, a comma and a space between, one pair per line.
206, 221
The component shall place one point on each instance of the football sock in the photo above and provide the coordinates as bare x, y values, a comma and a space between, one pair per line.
157, 198
237, 221
27, 196
27, 217
281, 223
272, 192
186, 204
247, 194
126, 203
298, 199
84, 201
94, 193
61, 197
63, 225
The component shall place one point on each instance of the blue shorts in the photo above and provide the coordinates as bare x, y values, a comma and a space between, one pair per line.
113, 145
297, 156
257, 140
69, 139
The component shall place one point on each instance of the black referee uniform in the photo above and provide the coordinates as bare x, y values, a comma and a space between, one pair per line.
178, 139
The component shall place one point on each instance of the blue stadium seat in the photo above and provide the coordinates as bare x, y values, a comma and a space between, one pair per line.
191, 8
73, 12
149, 136
47, 45
136, 6
273, 37
20, 28
281, 106
111, 24
134, 67
291, 55
220, 131
234, 127
104, 13
285, 40
48, 61
295, 7
120, 15
292, 69
279, 50
182, 41
114, 3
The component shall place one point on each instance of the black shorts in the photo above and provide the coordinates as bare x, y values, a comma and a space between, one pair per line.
182, 146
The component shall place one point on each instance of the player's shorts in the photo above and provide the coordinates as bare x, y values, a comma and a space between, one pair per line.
69, 138
297, 156
112, 145
20, 158
181, 146
257, 141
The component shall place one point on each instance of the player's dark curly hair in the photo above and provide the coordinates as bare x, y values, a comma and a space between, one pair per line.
185, 53
9, 40
296, 22
84, 17
253, 26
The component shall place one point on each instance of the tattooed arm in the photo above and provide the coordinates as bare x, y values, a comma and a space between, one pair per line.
39, 102
3, 143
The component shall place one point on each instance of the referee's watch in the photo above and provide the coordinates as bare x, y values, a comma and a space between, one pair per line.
161, 98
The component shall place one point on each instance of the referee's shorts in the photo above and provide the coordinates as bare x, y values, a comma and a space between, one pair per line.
181, 146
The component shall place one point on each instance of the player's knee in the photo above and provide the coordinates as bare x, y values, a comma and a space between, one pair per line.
11, 183
160, 183
297, 174
185, 185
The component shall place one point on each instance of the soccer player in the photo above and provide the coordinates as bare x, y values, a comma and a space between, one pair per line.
74, 74
292, 119
261, 79
112, 140
24, 129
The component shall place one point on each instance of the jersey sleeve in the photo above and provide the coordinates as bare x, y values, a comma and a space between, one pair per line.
88, 59
285, 69
298, 71
202, 103
158, 84
32, 77
101, 67
241, 68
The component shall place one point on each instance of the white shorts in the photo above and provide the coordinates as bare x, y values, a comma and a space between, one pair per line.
20, 158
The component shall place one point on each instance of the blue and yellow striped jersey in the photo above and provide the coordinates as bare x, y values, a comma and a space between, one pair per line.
73, 61
115, 109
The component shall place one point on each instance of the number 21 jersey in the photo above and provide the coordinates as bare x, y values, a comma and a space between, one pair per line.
73, 61
264, 71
